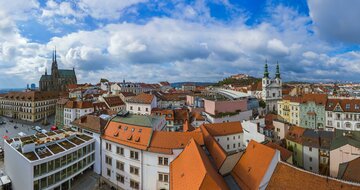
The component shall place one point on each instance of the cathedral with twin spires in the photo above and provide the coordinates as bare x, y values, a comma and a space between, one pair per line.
59, 78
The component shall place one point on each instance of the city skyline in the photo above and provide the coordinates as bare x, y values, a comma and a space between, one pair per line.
152, 41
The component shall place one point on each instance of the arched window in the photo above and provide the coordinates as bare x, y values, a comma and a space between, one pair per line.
348, 125
358, 126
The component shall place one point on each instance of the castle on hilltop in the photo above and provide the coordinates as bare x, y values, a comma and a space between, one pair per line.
59, 78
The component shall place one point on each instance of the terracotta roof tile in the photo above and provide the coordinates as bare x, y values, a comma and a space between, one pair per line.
192, 170
91, 122
223, 129
351, 171
128, 135
142, 98
286, 176
165, 142
79, 104
31, 96
346, 105
295, 134
252, 166
285, 154
216, 151
113, 101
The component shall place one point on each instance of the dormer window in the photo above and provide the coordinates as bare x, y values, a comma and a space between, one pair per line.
347, 106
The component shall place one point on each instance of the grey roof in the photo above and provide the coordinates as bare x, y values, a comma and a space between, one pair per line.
67, 73
138, 120
45, 77
343, 137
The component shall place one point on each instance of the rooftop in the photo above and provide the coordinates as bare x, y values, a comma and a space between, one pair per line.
138, 120
165, 142
252, 166
36, 147
192, 169
223, 129
285, 154
344, 137
350, 171
286, 176
30, 96
114, 101
142, 98
128, 134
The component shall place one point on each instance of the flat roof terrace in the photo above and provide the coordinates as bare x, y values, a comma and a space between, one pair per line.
39, 146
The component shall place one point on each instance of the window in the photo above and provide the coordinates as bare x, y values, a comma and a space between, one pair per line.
310, 149
120, 178
163, 161
108, 172
108, 146
134, 184
163, 177
278, 129
347, 106
131, 108
139, 109
119, 150
238, 144
134, 155
108, 160
134, 170
120, 165
228, 139
147, 109
310, 159
228, 147
310, 168
234, 145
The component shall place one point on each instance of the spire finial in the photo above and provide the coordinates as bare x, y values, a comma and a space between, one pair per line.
55, 53
266, 72
277, 74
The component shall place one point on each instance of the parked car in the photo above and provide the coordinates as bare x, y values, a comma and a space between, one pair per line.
38, 129
43, 131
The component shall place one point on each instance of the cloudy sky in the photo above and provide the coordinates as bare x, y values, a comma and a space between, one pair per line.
198, 40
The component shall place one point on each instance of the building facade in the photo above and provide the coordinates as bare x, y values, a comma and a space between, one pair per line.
48, 161
289, 109
343, 113
271, 89
312, 111
59, 113
28, 106
59, 78
75, 109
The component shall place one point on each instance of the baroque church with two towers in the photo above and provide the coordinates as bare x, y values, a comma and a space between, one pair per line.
271, 89
59, 78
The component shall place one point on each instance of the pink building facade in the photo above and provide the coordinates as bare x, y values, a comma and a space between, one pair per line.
215, 107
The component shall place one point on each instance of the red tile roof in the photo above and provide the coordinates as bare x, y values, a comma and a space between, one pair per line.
353, 105
223, 129
31, 96
142, 98
253, 165
286, 176
295, 134
165, 142
128, 135
79, 104
285, 154
216, 151
113, 101
192, 170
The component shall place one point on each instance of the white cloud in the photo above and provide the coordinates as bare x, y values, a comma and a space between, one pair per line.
109, 9
336, 20
277, 47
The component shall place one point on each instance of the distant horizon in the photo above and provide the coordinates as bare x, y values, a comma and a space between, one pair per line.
179, 40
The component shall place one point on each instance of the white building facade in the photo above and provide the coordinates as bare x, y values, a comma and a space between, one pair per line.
51, 165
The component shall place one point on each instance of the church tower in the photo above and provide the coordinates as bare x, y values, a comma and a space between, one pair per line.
271, 89
54, 72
